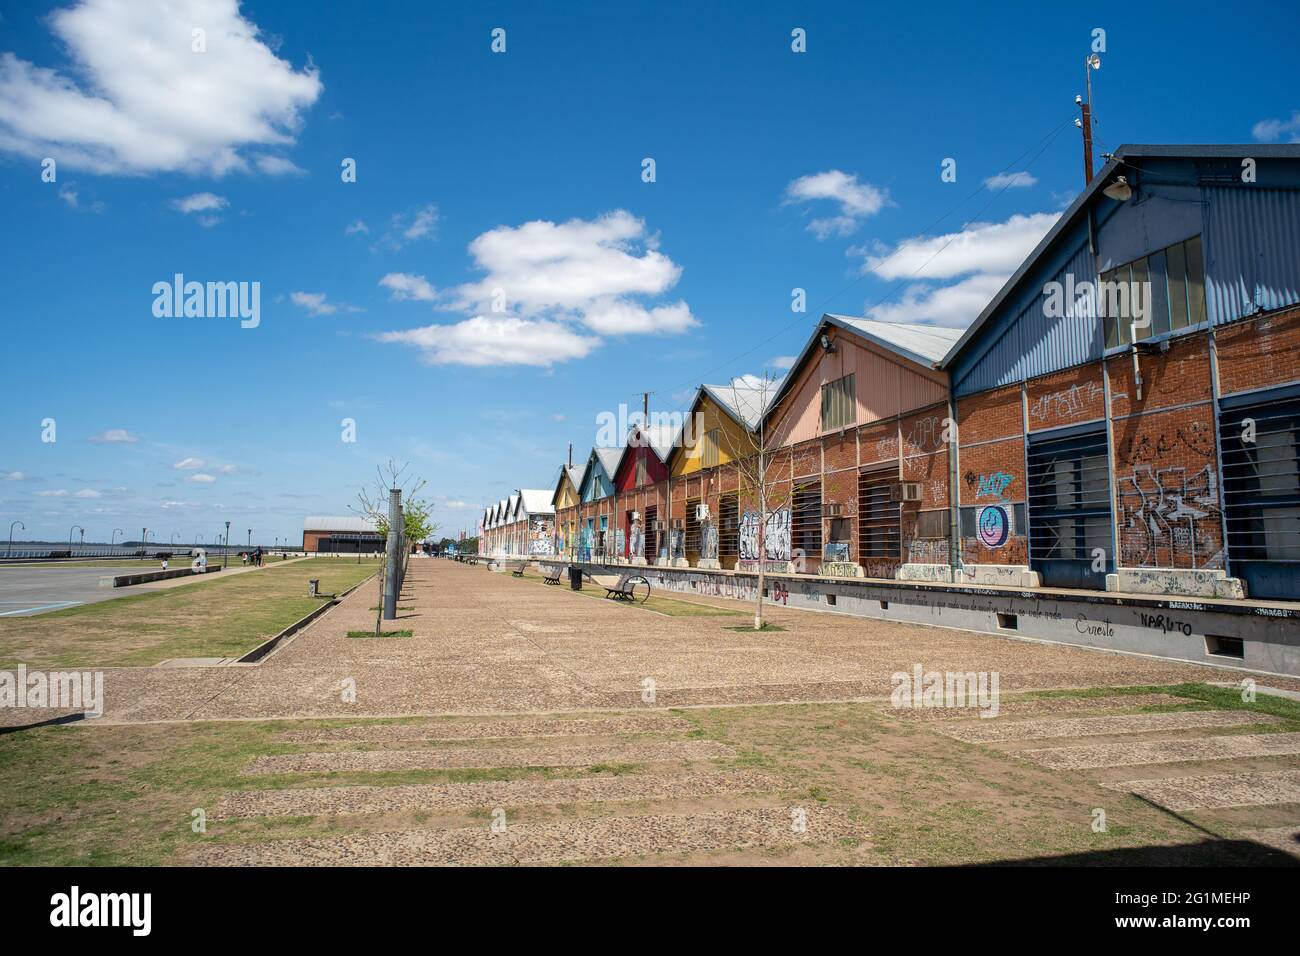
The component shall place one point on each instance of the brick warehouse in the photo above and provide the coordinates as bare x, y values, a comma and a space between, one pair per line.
1143, 445
1100, 442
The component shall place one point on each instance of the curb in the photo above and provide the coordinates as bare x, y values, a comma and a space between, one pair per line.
263, 650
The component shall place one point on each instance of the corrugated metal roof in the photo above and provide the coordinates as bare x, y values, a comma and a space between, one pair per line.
575, 474
349, 523
609, 459
537, 501
660, 438
743, 402
923, 344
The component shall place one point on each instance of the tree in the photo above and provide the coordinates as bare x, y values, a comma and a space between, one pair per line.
759, 465
417, 523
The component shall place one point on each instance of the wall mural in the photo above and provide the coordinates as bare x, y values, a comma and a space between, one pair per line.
540, 539
776, 536
708, 536
637, 539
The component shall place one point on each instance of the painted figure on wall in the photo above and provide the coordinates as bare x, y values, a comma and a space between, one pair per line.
776, 543
636, 540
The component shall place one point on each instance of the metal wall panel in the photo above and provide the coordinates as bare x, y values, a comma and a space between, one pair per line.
1252, 250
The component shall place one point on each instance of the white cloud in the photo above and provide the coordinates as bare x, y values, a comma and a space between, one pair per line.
13, 476
546, 285
856, 200
277, 166
114, 436
485, 340
422, 223
88, 493
405, 286
203, 203
1011, 180
53, 493
983, 255
227, 469
782, 361
137, 99
954, 306
583, 270
313, 302
358, 226
557, 417
201, 478
1271, 130
189, 464
979, 247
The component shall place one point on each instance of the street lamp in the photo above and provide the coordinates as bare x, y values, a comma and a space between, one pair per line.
11, 536
113, 537
72, 529
175, 534
250, 539
225, 554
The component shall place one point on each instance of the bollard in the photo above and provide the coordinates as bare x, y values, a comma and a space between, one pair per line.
313, 587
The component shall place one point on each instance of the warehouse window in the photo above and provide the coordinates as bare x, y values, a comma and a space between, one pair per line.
806, 518
838, 408
1163, 292
709, 452
640, 470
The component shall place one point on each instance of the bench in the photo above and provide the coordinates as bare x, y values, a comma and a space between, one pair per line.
623, 587
518, 570
551, 573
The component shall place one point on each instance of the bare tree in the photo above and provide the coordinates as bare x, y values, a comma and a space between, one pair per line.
756, 456
372, 504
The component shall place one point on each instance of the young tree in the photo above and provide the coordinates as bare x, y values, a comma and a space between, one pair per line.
760, 466
372, 503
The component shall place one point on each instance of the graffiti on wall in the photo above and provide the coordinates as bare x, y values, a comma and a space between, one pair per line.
1066, 402
540, 539
1171, 515
993, 485
1170, 510
776, 536
927, 551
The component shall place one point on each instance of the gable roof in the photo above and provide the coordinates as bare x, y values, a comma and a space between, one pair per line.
608, 458
536, 501
923, 345
1077, 209
659, 438
743, 402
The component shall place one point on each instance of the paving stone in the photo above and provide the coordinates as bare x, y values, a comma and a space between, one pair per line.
489, 729
988, 731
444, 758
1217, 790
313, 801
578, 840
1165, 751
1039, 706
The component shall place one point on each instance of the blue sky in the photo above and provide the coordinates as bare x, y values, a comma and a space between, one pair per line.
499, 273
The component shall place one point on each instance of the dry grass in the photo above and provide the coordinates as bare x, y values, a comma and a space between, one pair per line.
210, 618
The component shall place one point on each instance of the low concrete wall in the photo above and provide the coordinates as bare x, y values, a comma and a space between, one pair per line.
1171, 627
144, 577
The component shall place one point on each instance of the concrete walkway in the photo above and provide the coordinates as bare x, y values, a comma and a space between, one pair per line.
488, 643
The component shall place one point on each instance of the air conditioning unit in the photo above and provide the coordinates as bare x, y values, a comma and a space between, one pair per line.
636, 516
833, 510
905, 491
659, 526
701, 512
678, 524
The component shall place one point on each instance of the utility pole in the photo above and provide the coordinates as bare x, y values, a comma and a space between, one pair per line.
392, 582
1090, 63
